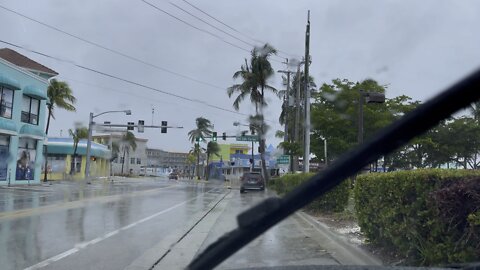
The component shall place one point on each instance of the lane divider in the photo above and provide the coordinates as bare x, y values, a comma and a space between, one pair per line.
83, 245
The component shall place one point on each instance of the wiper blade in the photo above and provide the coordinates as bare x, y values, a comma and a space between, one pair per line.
256, 220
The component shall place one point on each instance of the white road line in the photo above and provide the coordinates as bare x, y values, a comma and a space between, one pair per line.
83, 245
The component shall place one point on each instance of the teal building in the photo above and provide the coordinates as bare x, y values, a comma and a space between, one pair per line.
23, 100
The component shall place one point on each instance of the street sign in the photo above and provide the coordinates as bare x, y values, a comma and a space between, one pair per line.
247, 138
283, 159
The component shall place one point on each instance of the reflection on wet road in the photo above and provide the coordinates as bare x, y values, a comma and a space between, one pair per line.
67, 226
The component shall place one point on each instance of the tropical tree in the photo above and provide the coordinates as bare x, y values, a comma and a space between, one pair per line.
77, 135
191, 158
203, 129
115, 150
59, 95
197, 150
212, 149
254, 76
128, 142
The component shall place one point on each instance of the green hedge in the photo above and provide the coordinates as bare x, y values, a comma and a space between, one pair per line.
333, 201
431, 217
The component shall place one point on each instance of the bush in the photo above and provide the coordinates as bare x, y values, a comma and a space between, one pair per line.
333, 201
431, 217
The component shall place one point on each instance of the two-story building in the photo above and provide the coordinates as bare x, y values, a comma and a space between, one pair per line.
127, 160
23, 100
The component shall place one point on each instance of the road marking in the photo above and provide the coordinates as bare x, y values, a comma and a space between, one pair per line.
76, 204
83, 245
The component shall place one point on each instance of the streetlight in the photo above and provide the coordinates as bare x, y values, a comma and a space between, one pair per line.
370, 97
89, 140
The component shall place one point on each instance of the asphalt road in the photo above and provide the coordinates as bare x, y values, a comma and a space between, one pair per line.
138, 223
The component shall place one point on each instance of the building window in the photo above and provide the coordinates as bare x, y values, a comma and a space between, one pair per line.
132, 160
55, 163
139, 161
122, 159
27, 151
4, 156
30, 110
238, 152
6, 102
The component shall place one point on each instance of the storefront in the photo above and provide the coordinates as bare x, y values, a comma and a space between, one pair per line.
62, 165
23, 97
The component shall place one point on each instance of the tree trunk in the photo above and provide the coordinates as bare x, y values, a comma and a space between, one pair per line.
207, 171
72, 167
198, 165
123, 163
46, 150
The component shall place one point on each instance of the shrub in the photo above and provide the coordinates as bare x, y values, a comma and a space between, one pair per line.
333, 201
430, 217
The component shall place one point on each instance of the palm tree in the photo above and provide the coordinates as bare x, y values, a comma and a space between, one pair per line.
255, 76
203, 129
128, 141
115, 150
197, 151
59, 95
77, 135
212, 149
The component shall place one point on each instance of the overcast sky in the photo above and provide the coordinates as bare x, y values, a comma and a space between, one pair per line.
417, 48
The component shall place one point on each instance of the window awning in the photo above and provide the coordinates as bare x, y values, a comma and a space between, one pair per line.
8, 127
35, 92
31, 131
8, 82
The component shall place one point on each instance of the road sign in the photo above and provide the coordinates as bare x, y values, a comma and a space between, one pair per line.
247, 138
283, 159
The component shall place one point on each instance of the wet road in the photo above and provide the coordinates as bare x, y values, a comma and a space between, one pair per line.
134, 224
99, 226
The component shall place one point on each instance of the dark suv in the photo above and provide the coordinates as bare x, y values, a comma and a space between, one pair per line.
251, 180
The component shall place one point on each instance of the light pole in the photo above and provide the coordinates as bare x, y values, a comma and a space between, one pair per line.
89, 140
370, 97
325, 149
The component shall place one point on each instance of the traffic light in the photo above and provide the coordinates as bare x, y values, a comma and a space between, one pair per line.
141, 126
164, 127
130, 125
214, 136
224, 136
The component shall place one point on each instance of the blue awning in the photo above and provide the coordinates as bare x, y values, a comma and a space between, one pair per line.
8, 127
9, 83
65, 146
35, 92
32, 131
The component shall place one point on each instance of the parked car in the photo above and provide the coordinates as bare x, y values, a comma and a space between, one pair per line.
173, 176
251, 180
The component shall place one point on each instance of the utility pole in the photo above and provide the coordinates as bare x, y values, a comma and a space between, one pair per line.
296, 134
360, 118
306, 153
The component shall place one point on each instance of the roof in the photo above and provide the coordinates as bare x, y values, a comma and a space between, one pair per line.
65, 146
23, 61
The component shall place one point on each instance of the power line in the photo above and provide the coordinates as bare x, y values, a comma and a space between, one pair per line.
215, 27
111, 50
124, 80
219, 29
233, 29
200, 29
193, 26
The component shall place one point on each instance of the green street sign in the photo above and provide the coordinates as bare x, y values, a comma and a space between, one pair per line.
247, 138
283, 159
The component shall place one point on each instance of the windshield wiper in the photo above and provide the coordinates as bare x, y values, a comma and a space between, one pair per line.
256, 220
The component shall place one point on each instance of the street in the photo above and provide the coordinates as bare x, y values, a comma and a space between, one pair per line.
138, 223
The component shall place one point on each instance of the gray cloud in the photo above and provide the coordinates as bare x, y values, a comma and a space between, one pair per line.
426, 46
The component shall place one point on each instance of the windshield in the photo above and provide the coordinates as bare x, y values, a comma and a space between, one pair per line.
135, 134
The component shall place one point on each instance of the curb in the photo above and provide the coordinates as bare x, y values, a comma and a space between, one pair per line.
339, 247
